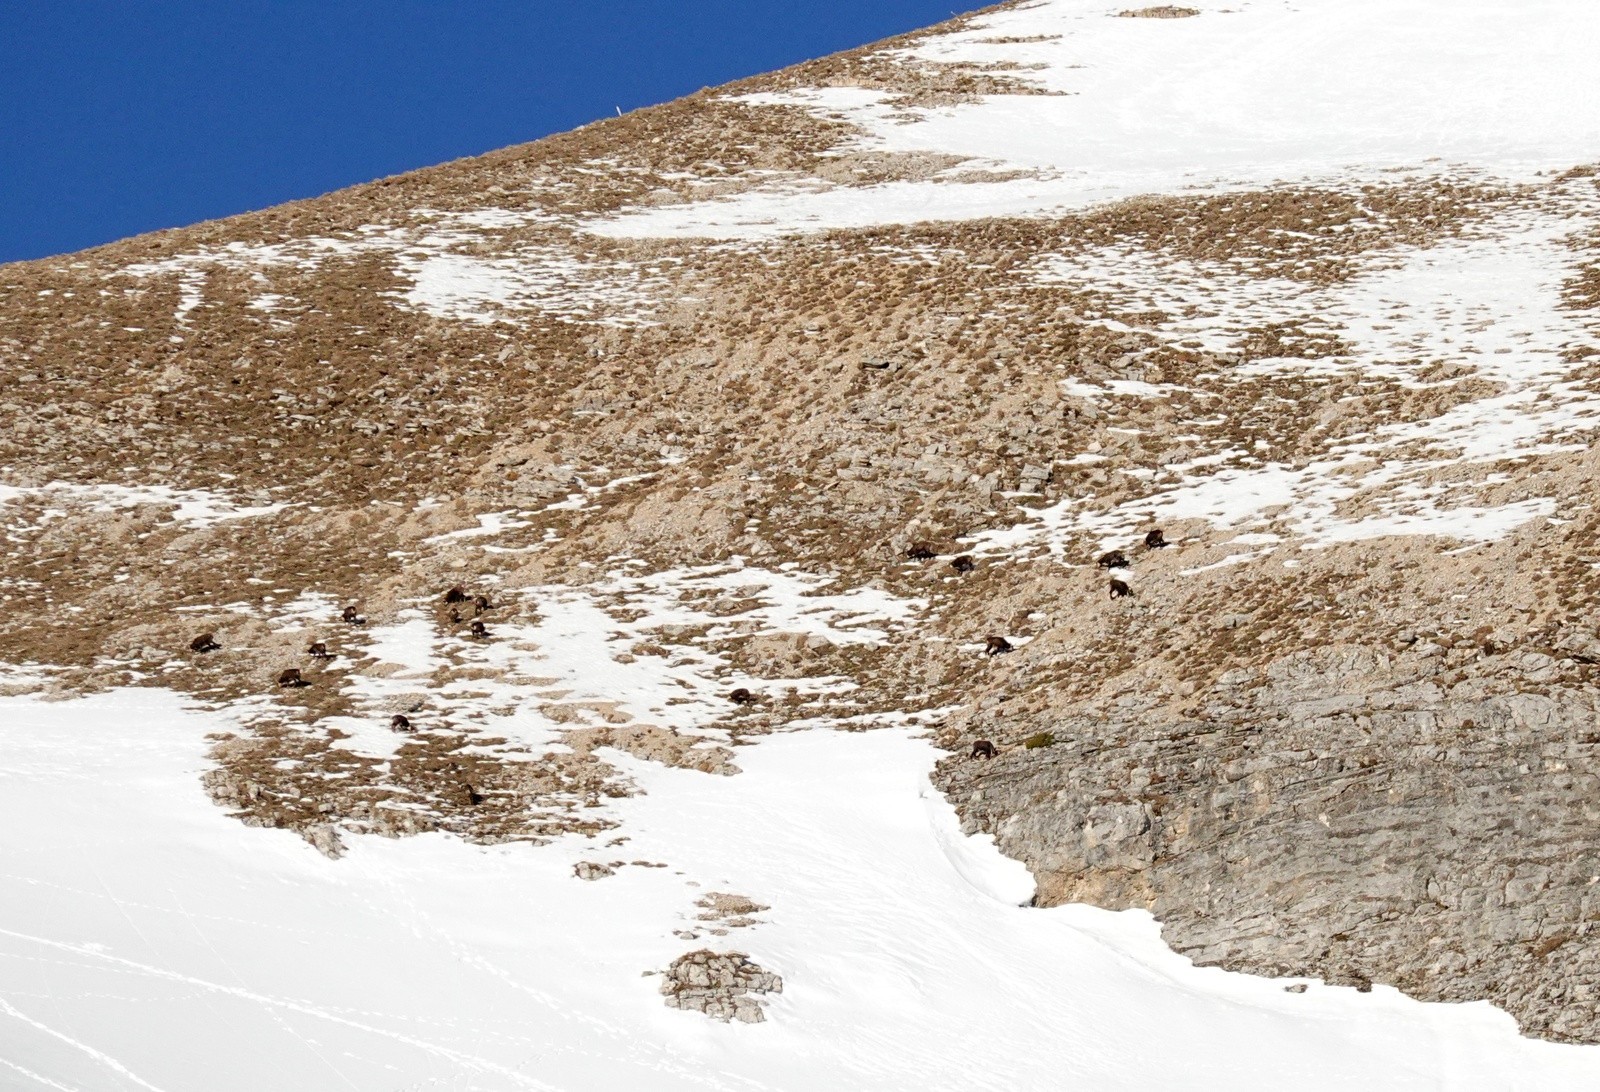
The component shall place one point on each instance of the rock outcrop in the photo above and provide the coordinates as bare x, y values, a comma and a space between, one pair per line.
1425, 817
723, 985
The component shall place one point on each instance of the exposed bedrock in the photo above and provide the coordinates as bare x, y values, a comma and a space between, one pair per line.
1343, 813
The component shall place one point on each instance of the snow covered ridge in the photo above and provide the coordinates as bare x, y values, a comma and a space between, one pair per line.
1245, 95
134, 907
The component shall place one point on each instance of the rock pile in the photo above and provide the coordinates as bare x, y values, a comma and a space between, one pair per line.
723, 985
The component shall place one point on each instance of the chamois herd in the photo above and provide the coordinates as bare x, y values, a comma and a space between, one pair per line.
292, 678
995, 645
458, 598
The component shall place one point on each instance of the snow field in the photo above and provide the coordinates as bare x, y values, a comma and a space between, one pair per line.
153, 943
1248, 95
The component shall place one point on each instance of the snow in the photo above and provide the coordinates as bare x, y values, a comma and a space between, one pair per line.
449, 276
190, 507
1488, 305
594, 655
1246, 95
151, 942
544, 278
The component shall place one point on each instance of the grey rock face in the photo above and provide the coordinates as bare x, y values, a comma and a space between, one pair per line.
723, 985
1344, 813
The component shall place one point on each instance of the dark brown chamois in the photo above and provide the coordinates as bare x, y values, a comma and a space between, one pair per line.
983, 749
963, 564
1119, 588
478, 630
994, 646
1113, 559
204, 643
921, 550
457, 594
400, 723
318, 650
742, 696
1155, 540
290, 677
352, 617
481, 604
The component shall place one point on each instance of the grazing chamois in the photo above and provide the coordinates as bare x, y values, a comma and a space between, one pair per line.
984, 749
994, 646
1119, 589
204, 643
481, 604
1113, 559
318, 650
400, 723
457, 594
963, 564
352, 617
478, 630
921, 550
290, 677
741, 696
1155, 540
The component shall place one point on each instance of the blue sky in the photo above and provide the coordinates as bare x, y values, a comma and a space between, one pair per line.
118, 116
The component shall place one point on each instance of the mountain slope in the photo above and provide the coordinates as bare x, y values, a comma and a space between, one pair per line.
689, 396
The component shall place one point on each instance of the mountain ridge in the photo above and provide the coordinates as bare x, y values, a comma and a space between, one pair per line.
1341, 726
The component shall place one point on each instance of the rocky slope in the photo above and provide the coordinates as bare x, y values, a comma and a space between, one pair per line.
767, 359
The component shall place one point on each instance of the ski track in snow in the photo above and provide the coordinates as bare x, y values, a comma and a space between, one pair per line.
138, 907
